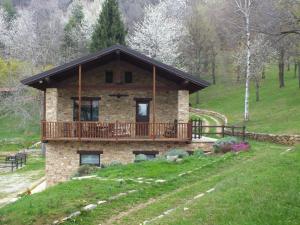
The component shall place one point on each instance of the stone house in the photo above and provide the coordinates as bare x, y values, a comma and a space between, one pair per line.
111, 106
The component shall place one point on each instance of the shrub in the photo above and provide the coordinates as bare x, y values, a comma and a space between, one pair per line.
177, 152
140, 158
199, 153
243, 146
85, 170
224, 145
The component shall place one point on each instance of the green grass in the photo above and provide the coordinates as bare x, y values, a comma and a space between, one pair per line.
260, 186
15, 136
277, 111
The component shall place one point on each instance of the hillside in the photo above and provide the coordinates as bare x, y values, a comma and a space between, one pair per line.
198, 190
277, 112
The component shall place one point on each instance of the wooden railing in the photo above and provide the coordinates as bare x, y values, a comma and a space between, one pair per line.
199, 130
100, 131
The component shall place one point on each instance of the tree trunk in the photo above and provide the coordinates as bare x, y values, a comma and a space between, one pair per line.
246, 113
257, 90
295, 70
288, 64
213, 68
263, 73
299, 72
281, 68
198, 98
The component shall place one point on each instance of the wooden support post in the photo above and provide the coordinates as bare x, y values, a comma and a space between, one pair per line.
44, 105
154, 100
223, 131
79, 101
244, 133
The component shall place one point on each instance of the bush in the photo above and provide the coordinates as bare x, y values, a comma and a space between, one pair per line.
85, 170
224, 145
199, 153
177, 152
243, 146
140, 158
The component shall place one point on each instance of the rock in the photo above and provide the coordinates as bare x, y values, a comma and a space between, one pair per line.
172, 158
101, 202
89, 207
185, 209
56, 222
199, 196
160, 181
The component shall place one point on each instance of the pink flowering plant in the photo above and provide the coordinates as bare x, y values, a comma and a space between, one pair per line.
230, 144
239, 147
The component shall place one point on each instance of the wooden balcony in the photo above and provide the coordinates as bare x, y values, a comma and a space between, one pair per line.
118, 131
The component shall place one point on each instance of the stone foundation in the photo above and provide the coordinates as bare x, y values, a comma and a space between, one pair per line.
62, 159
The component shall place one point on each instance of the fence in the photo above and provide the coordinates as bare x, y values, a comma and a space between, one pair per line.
199, 130
13, 162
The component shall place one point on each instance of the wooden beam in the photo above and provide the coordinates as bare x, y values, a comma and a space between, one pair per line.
44, 105
120, 87
154, 100
79, 101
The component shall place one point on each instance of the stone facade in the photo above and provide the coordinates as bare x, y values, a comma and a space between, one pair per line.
62, 158
170, 104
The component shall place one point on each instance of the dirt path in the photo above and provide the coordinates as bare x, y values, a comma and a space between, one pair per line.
12, 184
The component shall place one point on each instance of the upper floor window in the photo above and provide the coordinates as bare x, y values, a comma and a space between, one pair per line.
89, 109
109, 77
128, 77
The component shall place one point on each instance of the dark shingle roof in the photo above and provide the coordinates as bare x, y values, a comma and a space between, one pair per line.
197, 83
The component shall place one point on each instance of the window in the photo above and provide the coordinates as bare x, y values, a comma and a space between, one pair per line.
89, 109
128, 77
109, 77
90, 158
149, 154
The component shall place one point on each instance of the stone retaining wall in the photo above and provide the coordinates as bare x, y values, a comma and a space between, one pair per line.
284, 139
62, 158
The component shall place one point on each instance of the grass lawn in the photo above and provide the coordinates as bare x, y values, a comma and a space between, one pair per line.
14, 136
277, 112
260, 182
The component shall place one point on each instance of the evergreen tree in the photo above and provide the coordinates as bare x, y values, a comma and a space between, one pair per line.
109, 29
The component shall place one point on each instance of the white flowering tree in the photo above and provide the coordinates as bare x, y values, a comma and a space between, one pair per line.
159, 34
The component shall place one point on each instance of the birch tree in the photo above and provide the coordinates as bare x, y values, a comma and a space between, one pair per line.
244, 8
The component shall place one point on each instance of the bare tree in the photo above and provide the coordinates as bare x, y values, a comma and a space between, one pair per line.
244, 8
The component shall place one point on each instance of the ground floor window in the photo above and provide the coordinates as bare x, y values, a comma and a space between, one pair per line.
149, 154
90, 158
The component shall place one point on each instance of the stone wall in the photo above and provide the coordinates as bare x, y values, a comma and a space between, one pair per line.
183, 106
51, 104
170, 104
62, 159
284, 139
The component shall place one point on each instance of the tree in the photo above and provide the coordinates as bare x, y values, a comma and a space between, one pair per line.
10, 13
109, 29
245, 8
75, 34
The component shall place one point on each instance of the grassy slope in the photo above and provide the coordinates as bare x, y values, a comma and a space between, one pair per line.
14, 136
249, 187
277, 112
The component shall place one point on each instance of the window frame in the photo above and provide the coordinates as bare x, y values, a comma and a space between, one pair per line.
91, 99
111, 78
96, 153
147, 153
128, 74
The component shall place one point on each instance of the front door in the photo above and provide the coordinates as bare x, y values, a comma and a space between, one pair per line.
142, 118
